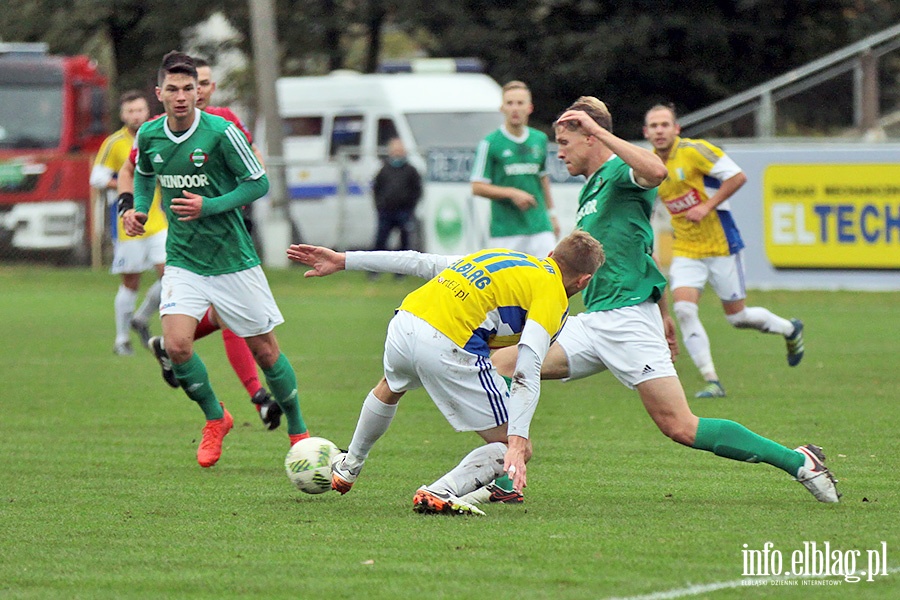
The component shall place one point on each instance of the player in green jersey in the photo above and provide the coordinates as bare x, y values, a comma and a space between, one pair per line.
510, 170
623, 329
239, 355
206, 172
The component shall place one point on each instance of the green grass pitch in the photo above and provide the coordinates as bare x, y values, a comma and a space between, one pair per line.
101, 496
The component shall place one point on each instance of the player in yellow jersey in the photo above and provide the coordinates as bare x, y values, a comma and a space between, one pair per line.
707, 244
441, 338
132, 255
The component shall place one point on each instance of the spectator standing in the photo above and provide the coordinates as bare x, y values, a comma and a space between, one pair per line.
397, 189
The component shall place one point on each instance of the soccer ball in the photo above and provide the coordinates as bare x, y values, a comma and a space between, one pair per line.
308, 464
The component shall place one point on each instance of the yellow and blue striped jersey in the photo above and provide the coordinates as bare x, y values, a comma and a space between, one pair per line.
112, 155
483, 300
692, 165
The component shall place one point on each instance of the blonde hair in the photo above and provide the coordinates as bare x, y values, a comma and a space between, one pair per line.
594, 108
515, 84
579, 253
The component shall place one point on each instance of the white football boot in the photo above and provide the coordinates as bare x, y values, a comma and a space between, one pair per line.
815, 476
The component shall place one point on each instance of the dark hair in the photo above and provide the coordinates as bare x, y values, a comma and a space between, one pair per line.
130, 96
176, 62
669, 106
200, 62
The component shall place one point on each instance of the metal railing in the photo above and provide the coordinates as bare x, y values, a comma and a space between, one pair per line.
860, 57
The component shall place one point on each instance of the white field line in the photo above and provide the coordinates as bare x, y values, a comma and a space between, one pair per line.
696, 590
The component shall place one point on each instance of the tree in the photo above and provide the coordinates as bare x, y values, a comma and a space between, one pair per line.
629, 53
136, 32
632, 54
316, 35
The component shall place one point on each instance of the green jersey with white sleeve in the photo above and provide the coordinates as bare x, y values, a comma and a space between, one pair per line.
210, 159
504, 160
615, 210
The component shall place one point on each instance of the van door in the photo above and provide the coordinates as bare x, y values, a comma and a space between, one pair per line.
329, 179
353, 152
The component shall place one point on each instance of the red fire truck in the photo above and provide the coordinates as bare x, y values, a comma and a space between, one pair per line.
53, 118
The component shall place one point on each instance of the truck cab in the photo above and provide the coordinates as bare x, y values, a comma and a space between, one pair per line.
53, 118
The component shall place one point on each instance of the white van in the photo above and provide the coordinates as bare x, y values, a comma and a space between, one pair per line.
336, 129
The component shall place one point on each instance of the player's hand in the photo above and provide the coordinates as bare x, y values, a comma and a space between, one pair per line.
555, 223
189, 207
671, 336
517, 454
696, 213
523, 200
578, 119
324, 261
134, 222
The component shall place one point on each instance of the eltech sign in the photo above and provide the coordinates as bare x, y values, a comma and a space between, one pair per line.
832, 216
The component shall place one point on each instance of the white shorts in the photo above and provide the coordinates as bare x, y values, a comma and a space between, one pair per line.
243, 300
465, 387
535, 244
725, 275
630, 342
142, 254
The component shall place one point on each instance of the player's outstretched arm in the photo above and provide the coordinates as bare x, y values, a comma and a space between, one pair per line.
324, 261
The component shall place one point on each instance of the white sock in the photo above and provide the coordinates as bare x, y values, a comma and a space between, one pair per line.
756, 317
150, 304
480, 467
124, 303
695, 338
374, 420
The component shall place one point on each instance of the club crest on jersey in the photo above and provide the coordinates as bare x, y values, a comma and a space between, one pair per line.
198, 157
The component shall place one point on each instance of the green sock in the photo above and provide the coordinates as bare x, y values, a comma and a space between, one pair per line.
194, 381
283, 382
733, 440
504, 483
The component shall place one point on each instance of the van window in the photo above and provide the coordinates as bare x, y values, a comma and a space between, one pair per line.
346, 133
462, 130
386, 132
302, 126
